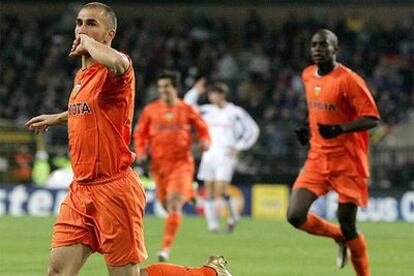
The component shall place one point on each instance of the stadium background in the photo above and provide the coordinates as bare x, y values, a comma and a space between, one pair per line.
257, 47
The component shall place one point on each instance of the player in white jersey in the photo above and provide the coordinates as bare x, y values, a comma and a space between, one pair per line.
231, 130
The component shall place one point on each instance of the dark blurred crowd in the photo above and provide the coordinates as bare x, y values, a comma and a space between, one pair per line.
261, 63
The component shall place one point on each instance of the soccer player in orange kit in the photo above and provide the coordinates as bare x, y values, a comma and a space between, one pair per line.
341, 110
104, 209
164, 129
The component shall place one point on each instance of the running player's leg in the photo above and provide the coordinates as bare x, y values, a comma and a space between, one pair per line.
67, 260
347, 220
356, 243
307, 188
299, 204
222, 191
172, 223
165, 269
352, 192
223, 174
298, 215
214, 266
163, 255
210, 207
179, 188
206, 173
161, 179
161, 269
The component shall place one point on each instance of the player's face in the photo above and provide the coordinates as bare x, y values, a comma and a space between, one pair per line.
166, 90
322, 49
94, 23
215, 97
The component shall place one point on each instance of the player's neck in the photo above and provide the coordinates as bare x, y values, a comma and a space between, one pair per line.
87, 61
171, 102
326, 68
222, 104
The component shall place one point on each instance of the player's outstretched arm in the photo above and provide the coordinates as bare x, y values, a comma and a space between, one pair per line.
361, 124
199, 88
115, 61
200, 85
43, 122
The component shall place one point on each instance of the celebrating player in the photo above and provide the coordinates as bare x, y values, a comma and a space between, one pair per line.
341, 110
104, 209
164, 129
232, 130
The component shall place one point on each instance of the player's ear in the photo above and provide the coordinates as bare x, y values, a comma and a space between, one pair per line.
336, 50
109, 36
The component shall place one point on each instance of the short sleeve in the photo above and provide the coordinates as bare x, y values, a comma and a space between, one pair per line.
359, 96
114, 82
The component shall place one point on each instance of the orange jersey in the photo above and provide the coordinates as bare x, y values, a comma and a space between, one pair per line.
101, 108
336, 98
166, 131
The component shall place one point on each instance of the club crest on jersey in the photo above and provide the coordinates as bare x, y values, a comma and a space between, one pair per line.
169, 115
317, 90
76, 89
79, 109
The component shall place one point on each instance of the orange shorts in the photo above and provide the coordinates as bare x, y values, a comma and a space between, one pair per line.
174, 178
325, 172
107, 216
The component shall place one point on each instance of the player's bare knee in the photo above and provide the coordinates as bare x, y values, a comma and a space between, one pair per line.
54, 267
296, 219
172, 209
54, 270
174, 205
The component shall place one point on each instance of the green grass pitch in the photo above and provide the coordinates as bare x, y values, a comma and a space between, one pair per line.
258, 248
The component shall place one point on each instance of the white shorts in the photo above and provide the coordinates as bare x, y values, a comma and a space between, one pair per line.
216, 166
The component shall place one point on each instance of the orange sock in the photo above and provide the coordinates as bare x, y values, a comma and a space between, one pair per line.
359, 255
317, 226
164, 269
172, 224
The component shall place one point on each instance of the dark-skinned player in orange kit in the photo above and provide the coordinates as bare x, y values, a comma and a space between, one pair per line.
341, 110
164, 130
104, 209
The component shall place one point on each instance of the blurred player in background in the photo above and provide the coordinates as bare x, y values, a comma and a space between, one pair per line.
104, 209
232, 130
164, 130
341, 110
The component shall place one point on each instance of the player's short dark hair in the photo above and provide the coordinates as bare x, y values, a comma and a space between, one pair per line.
219, 87
173, 76
329, 35
108, 10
